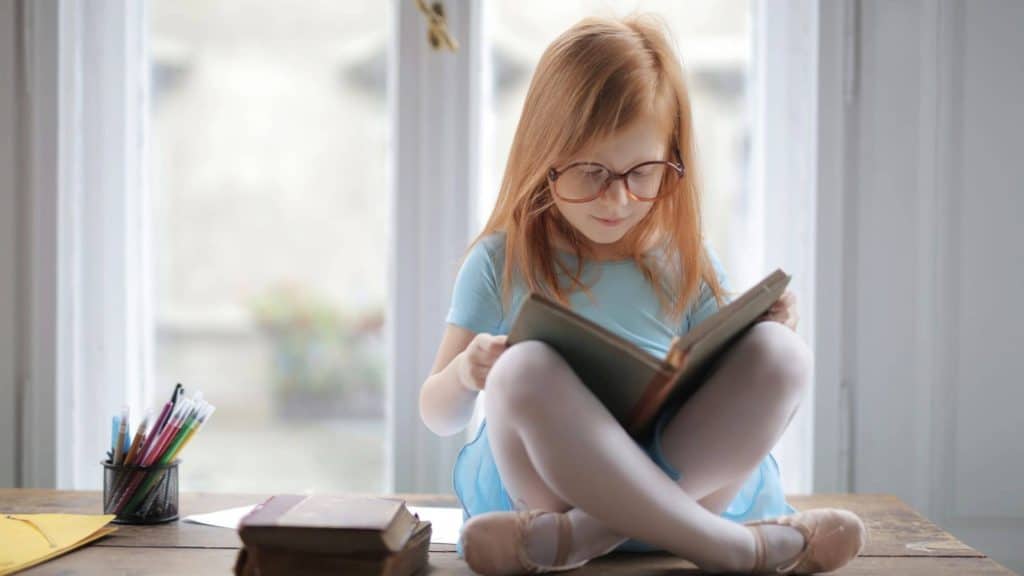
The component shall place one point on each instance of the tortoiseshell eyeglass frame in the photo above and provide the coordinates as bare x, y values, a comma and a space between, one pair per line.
555, 173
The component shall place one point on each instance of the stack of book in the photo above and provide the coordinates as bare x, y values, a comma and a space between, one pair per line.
321, 534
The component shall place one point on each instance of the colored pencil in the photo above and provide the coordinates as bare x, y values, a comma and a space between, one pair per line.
178, 422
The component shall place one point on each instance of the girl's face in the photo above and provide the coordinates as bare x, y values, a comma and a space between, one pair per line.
606, 219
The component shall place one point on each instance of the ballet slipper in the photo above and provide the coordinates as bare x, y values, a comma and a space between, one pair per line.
494, 544
832, 537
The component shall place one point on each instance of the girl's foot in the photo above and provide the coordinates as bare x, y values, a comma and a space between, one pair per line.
829, 538
519, 542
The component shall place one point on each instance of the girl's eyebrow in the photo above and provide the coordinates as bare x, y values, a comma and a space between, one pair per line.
646, 157
597, 159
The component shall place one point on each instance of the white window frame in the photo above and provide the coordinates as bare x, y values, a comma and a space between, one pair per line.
89, 348
805, 107
784, 169
436, 115
835, 89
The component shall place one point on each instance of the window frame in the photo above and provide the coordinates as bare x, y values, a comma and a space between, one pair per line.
89, 348
436, 102
784, 169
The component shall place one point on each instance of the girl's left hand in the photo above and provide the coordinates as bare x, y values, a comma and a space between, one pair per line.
783, 311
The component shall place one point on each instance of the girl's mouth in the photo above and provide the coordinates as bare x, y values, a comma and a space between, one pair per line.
610, 221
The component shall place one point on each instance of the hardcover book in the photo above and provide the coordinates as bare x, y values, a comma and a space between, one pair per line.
631, 382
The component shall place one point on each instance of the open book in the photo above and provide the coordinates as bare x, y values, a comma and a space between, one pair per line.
631, 382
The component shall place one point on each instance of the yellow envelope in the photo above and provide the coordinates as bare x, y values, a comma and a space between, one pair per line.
28, 539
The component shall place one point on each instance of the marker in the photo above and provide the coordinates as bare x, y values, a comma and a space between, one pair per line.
140, 437
121, 431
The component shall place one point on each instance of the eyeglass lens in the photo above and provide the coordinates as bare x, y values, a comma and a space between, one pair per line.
588, 180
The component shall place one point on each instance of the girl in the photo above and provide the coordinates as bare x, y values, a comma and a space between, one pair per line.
599, 209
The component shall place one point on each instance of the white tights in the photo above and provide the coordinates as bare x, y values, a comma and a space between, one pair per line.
558, 449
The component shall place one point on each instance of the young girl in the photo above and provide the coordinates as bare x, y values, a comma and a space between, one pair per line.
599, 209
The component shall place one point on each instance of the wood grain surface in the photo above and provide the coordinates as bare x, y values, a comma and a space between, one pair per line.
901, 541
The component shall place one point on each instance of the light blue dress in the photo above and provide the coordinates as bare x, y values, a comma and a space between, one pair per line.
625, 303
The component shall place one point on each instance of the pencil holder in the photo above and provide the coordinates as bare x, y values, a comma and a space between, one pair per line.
141, 494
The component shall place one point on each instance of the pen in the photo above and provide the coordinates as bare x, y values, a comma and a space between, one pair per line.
178, 391
140, 437
203, 413
161, 439
146, 457
121, 430
200, 420
158, 440
179, 428
133, 452
113, 436
154, 432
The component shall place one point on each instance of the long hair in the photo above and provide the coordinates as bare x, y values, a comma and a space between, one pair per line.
595, 78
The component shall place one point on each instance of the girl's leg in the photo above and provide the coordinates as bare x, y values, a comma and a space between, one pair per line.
531, 392
731, 423
591, 538
539, 413
738, 416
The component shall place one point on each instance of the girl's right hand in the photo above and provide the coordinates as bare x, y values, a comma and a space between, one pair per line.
481, 353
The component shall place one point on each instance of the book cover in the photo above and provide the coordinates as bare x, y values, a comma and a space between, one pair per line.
329, 524
411, 559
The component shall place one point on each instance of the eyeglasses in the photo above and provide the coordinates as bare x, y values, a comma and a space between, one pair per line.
582, 182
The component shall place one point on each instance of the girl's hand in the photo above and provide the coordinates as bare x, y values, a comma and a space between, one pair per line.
783, 311
479, 356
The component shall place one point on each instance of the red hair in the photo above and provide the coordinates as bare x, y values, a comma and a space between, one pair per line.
594, 79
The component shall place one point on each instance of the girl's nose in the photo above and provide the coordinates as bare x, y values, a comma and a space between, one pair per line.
616, 193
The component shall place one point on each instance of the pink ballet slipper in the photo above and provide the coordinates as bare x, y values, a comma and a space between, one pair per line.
494, 543
832, 537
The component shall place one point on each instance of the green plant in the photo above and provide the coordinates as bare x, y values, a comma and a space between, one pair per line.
317, 348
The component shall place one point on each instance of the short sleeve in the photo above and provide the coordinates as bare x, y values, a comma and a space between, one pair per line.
476, 296
706, 304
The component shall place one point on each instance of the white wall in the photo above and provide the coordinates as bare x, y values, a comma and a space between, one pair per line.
9, 209
932, 264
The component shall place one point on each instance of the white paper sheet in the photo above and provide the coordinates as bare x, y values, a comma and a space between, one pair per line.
223, 518
444, 522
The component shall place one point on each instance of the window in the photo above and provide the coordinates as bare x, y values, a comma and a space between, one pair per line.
268, 171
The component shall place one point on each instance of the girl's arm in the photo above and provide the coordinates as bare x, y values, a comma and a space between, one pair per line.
460, 369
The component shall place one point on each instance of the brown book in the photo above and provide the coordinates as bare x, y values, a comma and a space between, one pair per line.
259, 561
631, 382
324, 524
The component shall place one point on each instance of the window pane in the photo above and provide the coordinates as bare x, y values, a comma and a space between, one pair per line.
713, 39
269, 129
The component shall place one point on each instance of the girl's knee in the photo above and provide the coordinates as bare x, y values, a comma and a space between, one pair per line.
524, 372
781, 358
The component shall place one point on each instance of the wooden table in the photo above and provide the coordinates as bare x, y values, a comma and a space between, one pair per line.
901, 541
